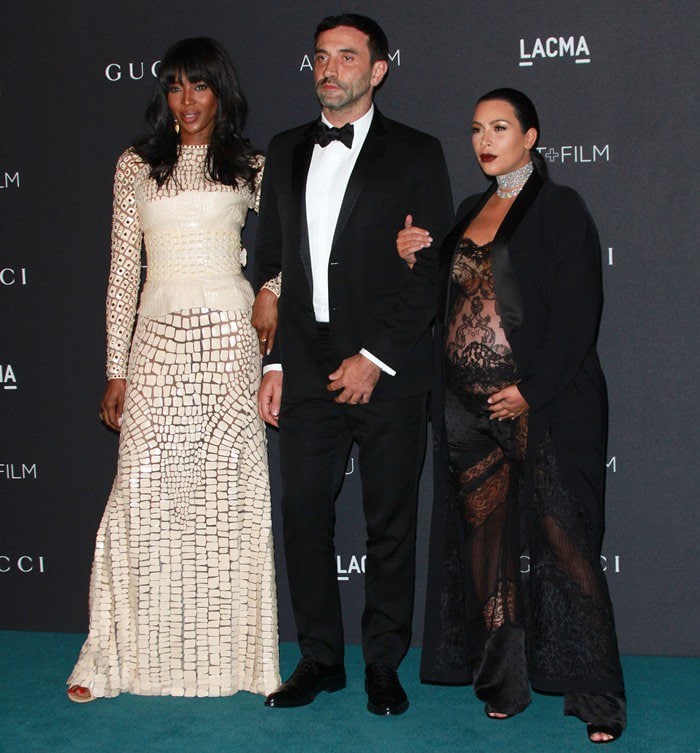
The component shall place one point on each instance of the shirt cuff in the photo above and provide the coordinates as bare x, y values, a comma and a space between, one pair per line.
386, 369
272, 367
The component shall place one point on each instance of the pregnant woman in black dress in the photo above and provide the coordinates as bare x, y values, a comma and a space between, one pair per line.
519, 414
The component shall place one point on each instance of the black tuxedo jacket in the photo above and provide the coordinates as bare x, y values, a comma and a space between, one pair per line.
375, 301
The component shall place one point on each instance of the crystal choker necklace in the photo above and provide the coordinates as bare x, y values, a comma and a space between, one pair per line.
511, 184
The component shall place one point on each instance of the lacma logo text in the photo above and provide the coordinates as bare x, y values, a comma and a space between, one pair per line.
554, 47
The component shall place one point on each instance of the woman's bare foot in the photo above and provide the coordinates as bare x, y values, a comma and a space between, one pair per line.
79, 694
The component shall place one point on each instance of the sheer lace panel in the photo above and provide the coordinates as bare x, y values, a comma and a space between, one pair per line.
478, 358
573, 632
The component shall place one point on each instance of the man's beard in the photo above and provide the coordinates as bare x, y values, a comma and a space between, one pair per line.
350, 95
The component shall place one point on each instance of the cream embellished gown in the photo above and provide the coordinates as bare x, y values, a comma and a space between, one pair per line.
182, 594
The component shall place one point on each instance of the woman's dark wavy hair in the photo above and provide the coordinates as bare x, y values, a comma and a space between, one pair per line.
527, 117
230, 157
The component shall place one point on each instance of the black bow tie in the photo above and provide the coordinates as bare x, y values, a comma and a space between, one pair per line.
323, 134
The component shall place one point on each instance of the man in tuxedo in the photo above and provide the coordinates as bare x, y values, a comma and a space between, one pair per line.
351, 360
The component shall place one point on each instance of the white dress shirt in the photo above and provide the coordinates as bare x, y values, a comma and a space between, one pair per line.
326, 182
329, 173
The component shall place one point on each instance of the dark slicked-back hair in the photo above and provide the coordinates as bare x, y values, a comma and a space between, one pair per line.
230, 157
526, 114
378, 43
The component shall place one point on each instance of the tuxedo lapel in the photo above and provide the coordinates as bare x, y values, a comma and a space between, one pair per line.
301, 159
371, 150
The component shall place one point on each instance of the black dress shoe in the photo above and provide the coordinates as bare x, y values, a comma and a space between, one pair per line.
385, 696
307, 681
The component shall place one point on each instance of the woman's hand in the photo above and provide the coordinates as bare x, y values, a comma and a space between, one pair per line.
410, 240
112, 405
508, 403
264, 319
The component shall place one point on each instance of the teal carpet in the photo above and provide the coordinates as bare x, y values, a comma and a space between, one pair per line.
36, 716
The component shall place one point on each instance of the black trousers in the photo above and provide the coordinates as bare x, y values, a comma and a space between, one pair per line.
315, 441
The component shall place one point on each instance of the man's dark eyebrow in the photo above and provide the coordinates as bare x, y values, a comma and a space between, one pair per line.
352, 50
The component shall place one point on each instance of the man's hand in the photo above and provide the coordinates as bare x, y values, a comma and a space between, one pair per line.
356, 377
270, 397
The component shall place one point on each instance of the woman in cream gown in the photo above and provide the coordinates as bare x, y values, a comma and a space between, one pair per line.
182, 594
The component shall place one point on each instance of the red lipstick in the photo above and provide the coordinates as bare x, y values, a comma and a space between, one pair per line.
487, 157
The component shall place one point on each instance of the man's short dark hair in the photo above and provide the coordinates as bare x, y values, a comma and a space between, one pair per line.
378, 43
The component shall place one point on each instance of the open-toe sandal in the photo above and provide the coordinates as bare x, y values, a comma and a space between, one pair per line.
614, 733
79, 694
488, 711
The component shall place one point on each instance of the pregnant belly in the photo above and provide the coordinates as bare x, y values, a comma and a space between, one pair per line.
479, 369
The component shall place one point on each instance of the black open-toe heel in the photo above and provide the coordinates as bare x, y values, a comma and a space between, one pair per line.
488, 711
615, 732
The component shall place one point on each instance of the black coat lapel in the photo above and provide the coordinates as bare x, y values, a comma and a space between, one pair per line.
371, 150
505, 285
447, 252
510, 303
301, 160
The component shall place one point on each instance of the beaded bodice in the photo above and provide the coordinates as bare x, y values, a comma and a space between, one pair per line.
191, 229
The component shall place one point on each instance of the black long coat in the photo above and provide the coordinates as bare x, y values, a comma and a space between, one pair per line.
546, 265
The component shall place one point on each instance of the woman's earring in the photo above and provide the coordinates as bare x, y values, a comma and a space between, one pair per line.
177, 127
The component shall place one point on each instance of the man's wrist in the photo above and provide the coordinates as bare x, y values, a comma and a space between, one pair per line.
386, 369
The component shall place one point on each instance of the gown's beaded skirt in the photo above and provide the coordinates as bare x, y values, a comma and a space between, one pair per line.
182, 598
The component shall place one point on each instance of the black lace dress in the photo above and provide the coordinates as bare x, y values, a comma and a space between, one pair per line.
526, 599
